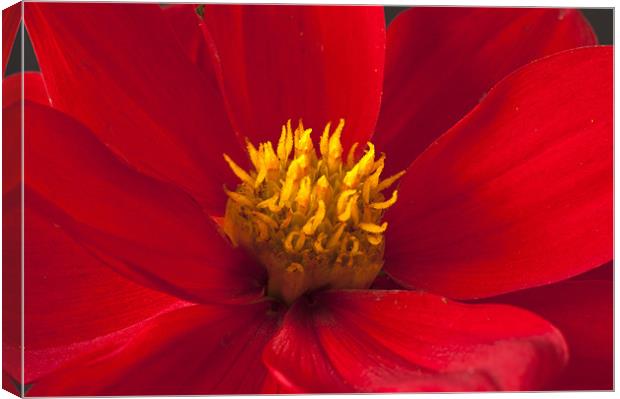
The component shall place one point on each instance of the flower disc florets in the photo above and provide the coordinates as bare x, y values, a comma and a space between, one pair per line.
313, 222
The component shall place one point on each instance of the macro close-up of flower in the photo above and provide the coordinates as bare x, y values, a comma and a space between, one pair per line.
238, 199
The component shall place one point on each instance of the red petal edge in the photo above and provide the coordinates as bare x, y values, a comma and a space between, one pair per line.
318, 63
145, 229
441, 61
89, 304
158, 112
519, 193
384, 341
583, 311
196, 350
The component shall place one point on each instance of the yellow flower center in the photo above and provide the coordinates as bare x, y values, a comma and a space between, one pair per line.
313, 221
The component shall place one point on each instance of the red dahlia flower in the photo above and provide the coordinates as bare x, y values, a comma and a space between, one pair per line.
144, 276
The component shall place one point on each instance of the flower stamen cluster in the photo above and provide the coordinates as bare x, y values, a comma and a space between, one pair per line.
313, 220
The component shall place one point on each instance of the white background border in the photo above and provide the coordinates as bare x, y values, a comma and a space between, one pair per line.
487, 3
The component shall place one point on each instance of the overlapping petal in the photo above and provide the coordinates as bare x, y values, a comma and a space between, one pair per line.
583, 311
34, 89
11, 239
378, 341
75, 302
148, 230
136, 91
604, 272
196, 350
289, 62
11, 288
385, 282
517, 194
442, 60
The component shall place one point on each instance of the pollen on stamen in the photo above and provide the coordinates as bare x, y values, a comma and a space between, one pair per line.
312, 218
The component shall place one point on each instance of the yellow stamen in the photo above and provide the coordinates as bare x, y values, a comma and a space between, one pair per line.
361, 169
334, 152
266, 219
385, 204
348, 210
303, 195
373, 228
324, 143
372, 182
322, 189
253, 153
355, 246
304, 143
238, 170
315, 221
343, 200
288, 243
285, 144
351, 155
270, 203
318, 244
368, 160
333, 240
312, 218
270, 158
238, 198
390, 180
374, 240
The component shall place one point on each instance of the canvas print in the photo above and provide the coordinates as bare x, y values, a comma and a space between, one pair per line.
247, 199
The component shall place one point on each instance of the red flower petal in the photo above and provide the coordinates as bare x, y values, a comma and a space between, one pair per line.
11, 17
196, 350
73, 300
441, 61
519, 193
34, 89
272, 386
120, 70
377, 341
583, 311
310, 62
385, 282
11, 136
605, 272
147, 229
185, 22
11, 286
